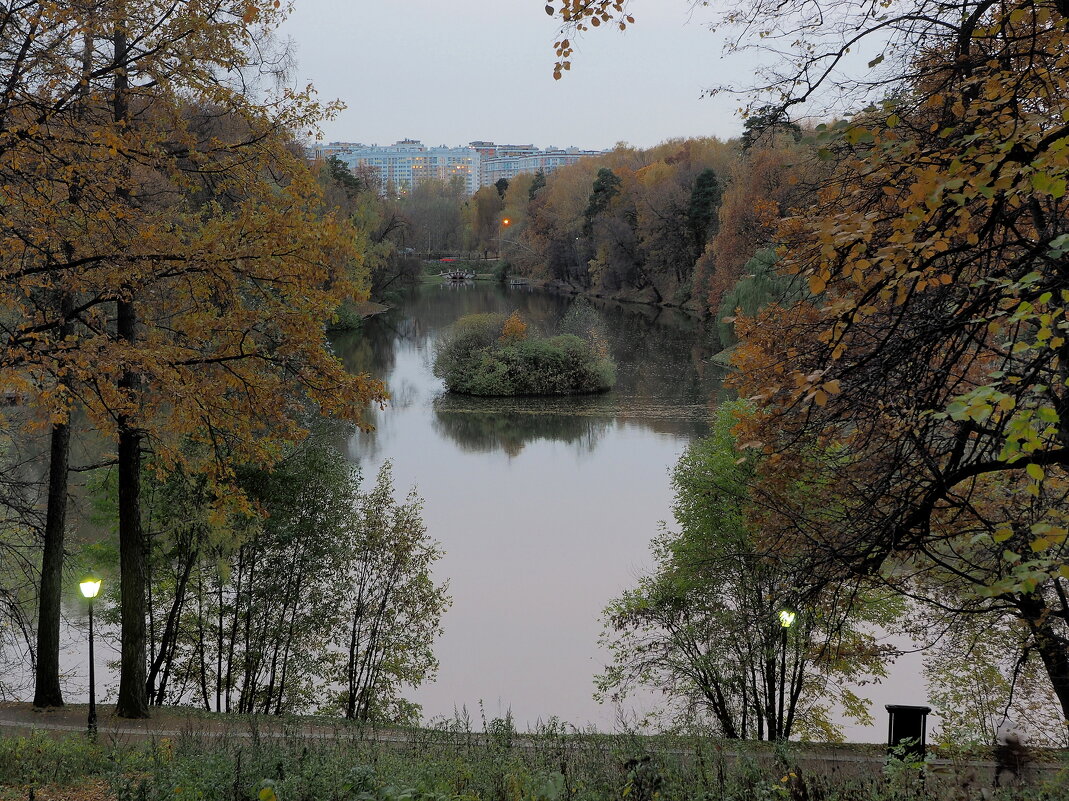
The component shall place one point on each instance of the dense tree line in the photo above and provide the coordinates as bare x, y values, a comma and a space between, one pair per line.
324, 602
909, 384
168, 265
672, 225
631, 224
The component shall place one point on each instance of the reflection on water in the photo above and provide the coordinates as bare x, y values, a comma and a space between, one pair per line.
544, 506
664, 378
475, 427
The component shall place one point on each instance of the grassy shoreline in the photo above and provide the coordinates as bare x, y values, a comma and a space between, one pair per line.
287, 759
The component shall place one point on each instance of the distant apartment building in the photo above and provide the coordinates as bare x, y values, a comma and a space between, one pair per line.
510, 164
407, 162
492, 150
321, 152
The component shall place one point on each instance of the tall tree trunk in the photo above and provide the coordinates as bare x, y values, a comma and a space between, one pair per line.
250, 669
1053, 648
47, 691
133, 696
132, 701
286, 651
770, 688
350, 704
232, 644
168, 639
201, 650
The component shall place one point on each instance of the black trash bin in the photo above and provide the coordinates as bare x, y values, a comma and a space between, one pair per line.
907, 723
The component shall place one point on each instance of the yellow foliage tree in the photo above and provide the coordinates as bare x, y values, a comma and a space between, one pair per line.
166, 260
915, 410
931, 359
514, 329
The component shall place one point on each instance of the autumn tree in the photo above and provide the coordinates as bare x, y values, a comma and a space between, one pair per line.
634, 230
554, 225
379, 224
433, 210
933, 359
765, 185
485, 218
514, 329
665, 247
705, 625
932, 363
610, 244
516, 201
168, 267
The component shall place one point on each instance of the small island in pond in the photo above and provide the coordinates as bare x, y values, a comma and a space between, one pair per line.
491, 354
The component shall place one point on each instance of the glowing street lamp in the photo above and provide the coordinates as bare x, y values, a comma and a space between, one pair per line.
786, 620
505, 223
90, 587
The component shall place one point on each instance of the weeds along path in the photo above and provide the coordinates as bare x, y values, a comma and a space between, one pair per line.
820, 759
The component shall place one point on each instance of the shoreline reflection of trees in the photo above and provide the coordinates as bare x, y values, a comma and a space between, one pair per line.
481, 425
665, 382
646, 341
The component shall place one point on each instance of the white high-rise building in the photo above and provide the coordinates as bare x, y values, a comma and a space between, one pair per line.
407, 162
510, 164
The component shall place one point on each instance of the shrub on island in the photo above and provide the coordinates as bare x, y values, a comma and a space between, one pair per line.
490, 354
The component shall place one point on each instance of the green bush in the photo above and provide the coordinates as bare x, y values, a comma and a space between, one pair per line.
474, 360
38, 759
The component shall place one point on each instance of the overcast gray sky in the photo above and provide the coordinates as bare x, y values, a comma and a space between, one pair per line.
452, 72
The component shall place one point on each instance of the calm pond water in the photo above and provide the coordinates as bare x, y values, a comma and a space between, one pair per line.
544, 506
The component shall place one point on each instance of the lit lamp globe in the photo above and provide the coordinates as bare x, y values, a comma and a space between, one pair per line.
786, 618
90, 588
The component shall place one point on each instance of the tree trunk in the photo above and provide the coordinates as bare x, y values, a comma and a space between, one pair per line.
133, 696
201, 650
133, 569
770, 688
169, 637
350, 705
1053, 648
47, 691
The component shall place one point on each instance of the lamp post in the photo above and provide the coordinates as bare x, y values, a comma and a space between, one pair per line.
505, 223
90, 587
786, 620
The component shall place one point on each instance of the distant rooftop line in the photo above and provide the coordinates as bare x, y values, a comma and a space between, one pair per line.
407, 162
